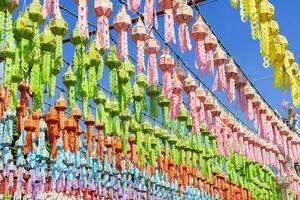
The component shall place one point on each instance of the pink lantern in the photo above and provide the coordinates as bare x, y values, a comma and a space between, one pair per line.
179, 72
262, 121
216, 112
249, 94
284, 133
190, 85
148, 14
210, 44
122, 23
208, 106
220, 78
176, 98
289, 146
133, 5
152, 48
274, 124
139, 35
201, 95
240, 84
83, 17
199, 32
240, 135
166, 64
231, 74
256, 104
269, 116
102, 9
183, 14
168, 6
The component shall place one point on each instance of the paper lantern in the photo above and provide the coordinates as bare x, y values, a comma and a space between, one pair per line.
199, 32
210, 44
82, 6
152, 48
35, 12
208, 106
176, 98
183, 14
52, 120
70, 126
122, 23
231, 74
201, 95
240, 84
102, 10
139, 35
220, 78
249, 94
166, 64
168, 6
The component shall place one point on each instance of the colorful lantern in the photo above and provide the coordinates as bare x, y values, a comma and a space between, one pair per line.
220, 78
231, 74
83, 18
69, 80
139, 35
168, 6
176, 98
210, 44
102, 10
183, 14
122, 23
199, 32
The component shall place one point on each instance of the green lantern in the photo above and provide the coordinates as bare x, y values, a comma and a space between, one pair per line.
124, 86
138, 95
164, 103
113, 63
35, 11
125, 117
114, 112
100, 100
23, 27
153, 91
69, 80
94, 58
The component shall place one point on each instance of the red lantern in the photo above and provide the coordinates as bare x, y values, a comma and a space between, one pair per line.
102, 9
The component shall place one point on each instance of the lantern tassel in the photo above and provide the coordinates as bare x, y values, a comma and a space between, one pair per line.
102, 36
169, 26
140, 56
148, 14
230, 90
201, 56
133, 5
184, 38
82, 19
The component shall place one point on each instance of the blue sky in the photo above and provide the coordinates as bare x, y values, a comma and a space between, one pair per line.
232, 32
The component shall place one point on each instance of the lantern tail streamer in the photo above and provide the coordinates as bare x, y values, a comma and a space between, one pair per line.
169, 26
148, 14
102, 36
133, 5
82, 19
140, 56
184, 38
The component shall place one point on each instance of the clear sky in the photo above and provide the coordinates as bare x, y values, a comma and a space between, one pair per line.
232, 32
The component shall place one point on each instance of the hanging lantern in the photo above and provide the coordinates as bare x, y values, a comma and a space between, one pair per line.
231, 74
102, 10
220, 78
208, 106
199, 32
183, 14
168, 6
190, 86
83, 18
240, 84
138, 95
69, 80
139, 35
210, 44
176, 98
216, 112
266, 13
262, 120
70, 126
112, 62
249, 94
35, 12
29, 127
89, 134
52, 120
166, 64
201, 95
122, 23
152, 48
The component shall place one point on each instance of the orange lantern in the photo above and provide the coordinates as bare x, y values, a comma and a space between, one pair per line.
89, 134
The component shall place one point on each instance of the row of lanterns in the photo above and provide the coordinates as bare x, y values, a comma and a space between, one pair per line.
273, 45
